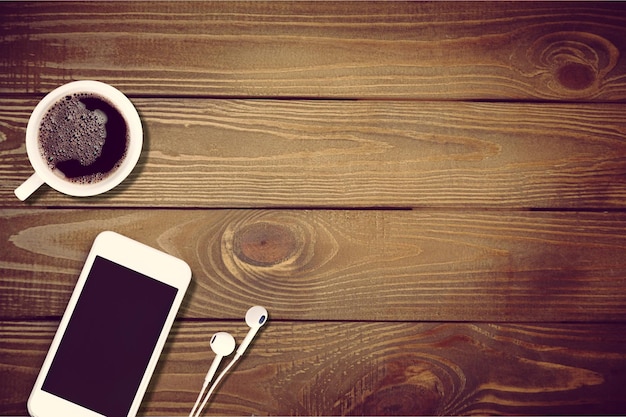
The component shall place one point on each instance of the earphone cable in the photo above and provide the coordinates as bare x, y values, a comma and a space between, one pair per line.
217, 381
205, 384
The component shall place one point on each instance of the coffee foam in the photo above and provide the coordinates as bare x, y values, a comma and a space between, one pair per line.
72, 132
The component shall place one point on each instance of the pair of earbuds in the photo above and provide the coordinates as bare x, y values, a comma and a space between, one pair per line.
223, 344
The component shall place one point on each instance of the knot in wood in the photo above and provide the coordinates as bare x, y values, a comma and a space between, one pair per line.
409, 386
264, 244
573, 64
576, 76
402, 400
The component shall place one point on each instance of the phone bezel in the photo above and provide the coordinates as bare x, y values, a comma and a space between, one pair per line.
136, 256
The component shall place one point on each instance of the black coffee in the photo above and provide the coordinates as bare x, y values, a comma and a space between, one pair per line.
83, 137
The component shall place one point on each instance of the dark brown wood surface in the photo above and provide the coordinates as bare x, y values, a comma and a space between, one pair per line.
371, 368
424, 50
276, 153
429, 198
393, 264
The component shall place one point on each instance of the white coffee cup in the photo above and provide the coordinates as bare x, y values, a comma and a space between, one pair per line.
45, 174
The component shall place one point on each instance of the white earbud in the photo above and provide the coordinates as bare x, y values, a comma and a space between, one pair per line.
255, 318
222, 344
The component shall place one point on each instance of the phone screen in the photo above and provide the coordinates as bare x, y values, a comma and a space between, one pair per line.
109, 339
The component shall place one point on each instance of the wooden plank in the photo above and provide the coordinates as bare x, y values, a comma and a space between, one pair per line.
341, 265
264, 153
338, 368
490, 50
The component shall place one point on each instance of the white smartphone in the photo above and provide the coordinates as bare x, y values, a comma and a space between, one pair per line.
112, 332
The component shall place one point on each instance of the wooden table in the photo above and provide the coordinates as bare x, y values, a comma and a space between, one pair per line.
429, 198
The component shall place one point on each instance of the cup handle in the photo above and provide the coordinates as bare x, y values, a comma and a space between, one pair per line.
28, 187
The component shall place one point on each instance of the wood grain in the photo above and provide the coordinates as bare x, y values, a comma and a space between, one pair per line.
338, 368
303, 153
428, 197
391, 265
487, 50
